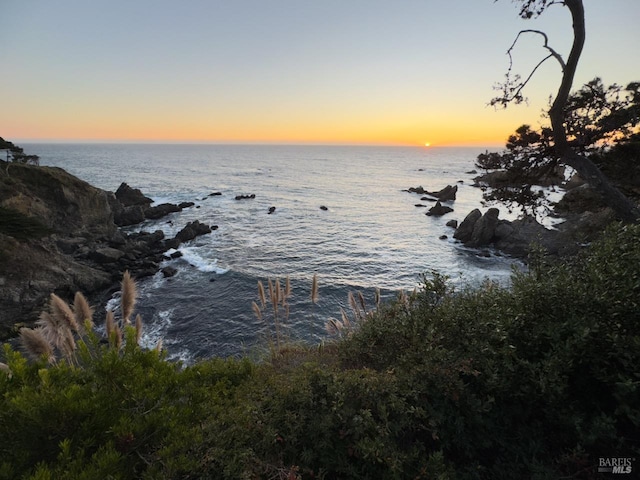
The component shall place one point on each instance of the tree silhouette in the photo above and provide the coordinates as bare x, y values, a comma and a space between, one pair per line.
560, 143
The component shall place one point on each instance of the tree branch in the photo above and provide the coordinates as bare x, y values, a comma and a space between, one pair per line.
552, 52
512, 89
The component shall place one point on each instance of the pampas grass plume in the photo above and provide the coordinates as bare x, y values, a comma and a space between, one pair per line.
256, 310
362, 303
62, 313
287, 287
35, 344
279, 292
56, 333
82, 311
345, 318
128, 299
118, 336
109, 323
263, 298
333, 326
314, 289
353, 305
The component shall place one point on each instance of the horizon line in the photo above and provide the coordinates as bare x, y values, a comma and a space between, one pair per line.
250, 143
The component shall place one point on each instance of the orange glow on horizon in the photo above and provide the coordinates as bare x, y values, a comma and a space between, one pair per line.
163, 134
400, 129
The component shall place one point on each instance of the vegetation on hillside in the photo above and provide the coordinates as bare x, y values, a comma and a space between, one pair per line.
21, 227
537, 380
16, 154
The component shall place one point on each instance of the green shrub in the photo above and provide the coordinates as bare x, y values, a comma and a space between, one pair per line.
21, 227
536, 380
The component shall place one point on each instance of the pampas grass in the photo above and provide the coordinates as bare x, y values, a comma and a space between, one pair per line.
111, 327
256, 310
358, 308
261, 294
117, 337
57, 327
82, 311
35, 344
314, 289
56, 333
62, 328
128, 298
287, 288
62, 312
278, 299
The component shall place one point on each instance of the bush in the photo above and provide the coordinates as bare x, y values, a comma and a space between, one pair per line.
541, 377
534, 381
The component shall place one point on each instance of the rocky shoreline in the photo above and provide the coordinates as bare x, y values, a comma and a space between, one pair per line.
582, 215
60, 235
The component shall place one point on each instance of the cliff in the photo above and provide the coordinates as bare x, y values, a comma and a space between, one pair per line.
58, 235
42, 211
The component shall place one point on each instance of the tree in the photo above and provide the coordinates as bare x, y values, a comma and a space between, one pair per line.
16, 154
596, 117
571, 133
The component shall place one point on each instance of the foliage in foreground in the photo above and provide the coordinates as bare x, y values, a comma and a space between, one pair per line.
534, 381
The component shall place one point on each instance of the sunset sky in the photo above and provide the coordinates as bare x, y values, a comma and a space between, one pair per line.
287, 71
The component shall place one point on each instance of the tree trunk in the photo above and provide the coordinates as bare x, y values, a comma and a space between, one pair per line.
623, 207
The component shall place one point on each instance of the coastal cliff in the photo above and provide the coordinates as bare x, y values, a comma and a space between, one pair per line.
58, 235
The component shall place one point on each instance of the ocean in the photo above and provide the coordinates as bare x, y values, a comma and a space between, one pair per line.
370, 235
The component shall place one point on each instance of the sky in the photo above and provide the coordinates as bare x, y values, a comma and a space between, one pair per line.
393, 72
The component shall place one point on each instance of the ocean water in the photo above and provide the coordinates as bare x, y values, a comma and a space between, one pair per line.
370, 235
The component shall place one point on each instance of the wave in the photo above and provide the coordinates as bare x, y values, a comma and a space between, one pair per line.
193, 258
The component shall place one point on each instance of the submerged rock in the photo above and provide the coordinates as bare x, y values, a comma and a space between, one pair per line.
168, 272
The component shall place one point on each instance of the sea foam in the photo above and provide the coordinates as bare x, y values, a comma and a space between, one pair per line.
192, 256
